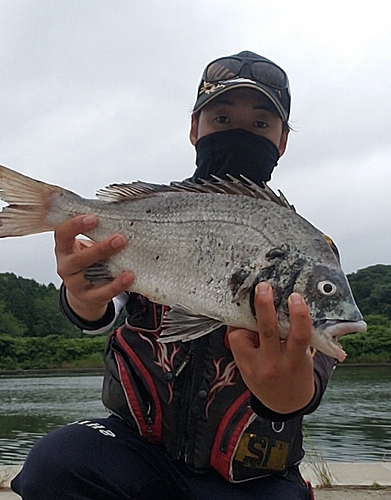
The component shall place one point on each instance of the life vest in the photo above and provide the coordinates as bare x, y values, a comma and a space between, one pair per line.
190, 398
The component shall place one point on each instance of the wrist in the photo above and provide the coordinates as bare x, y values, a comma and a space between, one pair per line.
284, 413
86, 311
80, 321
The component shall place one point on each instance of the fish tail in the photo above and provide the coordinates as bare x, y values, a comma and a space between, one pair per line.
28, 204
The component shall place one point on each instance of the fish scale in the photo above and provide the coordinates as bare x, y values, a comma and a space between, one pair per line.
202, 239
200, 249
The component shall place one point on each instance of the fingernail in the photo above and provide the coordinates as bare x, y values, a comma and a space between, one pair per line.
117, 242
295, 298
89, 220
263, 288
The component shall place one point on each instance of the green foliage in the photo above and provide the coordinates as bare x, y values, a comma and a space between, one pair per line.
372, 289
53, 351
35, 335
28, 308
373, 346
9, 325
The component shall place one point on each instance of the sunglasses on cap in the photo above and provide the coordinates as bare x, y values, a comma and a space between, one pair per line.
262, 71
241, 70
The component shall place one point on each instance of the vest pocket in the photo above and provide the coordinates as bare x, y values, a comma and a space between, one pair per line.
139, 389
235, 420
247, 446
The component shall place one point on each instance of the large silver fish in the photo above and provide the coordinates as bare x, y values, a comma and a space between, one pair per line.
201, 249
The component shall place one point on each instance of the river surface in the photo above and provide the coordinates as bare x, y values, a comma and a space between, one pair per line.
352, 424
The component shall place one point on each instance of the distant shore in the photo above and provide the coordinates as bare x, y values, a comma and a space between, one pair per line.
100, 371
52, 372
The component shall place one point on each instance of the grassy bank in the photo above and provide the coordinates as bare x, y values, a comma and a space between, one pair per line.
51, 352
54, 352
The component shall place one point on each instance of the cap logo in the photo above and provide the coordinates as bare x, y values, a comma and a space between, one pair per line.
209, 88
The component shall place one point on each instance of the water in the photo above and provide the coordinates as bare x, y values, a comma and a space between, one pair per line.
31, 407
353, 422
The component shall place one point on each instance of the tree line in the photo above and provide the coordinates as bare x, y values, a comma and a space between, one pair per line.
34, 333
371, 288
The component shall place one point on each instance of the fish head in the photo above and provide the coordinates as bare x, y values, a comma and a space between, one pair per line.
333, 309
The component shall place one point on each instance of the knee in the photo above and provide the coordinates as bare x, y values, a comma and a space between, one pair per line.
46, 469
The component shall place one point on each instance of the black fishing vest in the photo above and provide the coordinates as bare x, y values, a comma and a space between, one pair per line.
190, 398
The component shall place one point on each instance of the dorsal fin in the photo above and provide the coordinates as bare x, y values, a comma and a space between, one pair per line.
243, 186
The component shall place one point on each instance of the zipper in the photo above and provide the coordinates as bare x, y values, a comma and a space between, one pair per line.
183, 364
190, 359
149, 421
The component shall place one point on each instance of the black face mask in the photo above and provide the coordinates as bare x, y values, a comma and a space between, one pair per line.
235, 152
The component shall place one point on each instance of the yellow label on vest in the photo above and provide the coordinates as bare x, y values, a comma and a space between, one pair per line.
262, 453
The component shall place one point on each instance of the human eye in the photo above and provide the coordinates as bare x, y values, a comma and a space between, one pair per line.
223, 119
260, 124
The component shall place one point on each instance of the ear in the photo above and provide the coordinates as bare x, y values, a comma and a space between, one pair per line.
193, 130
283, 142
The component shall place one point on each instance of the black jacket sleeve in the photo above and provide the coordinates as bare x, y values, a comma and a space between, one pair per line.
323, 369
79, 322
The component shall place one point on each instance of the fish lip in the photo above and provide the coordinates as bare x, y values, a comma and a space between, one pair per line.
336, 328
331, 329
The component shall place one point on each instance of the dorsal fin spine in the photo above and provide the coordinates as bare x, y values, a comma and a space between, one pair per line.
232, 186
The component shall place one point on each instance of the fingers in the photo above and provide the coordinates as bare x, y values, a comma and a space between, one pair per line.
70, 259
85, 291
243, 341
66, 232
300, 321
301, 328
95, 253
74, 256
266, 319
268, 335
280, 374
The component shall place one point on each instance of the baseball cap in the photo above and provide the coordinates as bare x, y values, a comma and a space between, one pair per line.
245, 69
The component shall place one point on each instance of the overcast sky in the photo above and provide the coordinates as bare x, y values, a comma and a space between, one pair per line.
96, 92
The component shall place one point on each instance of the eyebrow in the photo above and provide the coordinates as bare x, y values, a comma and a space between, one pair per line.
263, 106
218, 101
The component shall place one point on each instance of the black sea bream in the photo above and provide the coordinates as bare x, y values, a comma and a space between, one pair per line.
201, 249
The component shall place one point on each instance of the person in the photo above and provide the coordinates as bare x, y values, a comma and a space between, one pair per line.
217, 417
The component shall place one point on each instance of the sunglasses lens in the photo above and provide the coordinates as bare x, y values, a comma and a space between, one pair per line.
269, 74
256, 69
222, 69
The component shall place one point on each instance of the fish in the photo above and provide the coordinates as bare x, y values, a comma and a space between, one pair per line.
200, 249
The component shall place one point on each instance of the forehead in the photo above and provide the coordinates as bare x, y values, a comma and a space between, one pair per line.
243, 96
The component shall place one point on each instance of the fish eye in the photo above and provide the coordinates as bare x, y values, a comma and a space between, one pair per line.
327, 288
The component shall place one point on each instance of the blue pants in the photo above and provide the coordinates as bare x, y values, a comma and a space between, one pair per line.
103, 459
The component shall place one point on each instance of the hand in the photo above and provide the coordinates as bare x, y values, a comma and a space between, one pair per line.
279, 373
74, 255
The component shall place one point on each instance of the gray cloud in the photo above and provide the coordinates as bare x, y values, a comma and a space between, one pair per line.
100, 92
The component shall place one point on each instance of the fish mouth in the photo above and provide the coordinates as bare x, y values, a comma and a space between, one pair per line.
331, 330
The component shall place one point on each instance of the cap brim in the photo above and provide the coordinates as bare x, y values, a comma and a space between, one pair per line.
221, 87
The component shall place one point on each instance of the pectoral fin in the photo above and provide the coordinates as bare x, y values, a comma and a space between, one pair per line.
182, 324
99, 273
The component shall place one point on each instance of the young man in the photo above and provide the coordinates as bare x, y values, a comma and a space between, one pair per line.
217, 417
